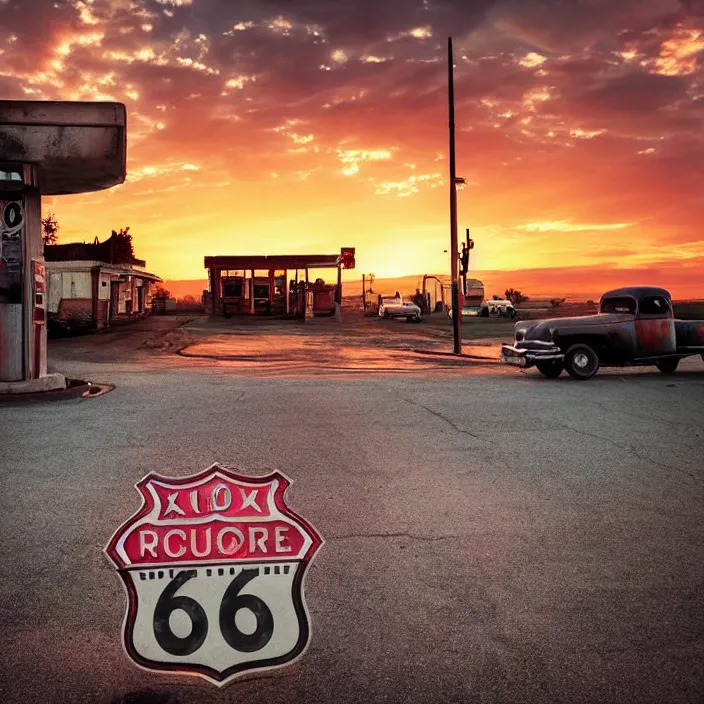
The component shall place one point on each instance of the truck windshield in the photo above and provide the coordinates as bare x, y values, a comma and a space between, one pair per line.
618, 305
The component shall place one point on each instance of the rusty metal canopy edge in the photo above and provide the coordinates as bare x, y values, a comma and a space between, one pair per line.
274, 261
78, 146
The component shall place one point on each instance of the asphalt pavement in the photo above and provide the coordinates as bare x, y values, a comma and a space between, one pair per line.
490, 536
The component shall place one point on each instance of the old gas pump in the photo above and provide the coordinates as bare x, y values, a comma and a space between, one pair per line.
22, 276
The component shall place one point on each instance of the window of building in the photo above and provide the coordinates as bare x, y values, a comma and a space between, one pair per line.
232, 289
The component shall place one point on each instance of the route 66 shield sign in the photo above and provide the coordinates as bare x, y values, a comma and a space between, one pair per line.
213, 566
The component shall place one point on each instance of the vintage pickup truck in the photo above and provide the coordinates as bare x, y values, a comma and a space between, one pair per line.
634, 326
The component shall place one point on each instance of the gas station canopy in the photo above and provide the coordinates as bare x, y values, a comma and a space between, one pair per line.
275, 261
78, 147
231, 290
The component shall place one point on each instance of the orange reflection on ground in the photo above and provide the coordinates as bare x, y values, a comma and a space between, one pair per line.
315, 351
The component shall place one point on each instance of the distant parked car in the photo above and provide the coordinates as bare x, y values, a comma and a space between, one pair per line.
472, 311
502, 308
396, 307
487, 309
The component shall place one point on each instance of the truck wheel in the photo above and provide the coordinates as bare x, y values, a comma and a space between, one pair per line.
550, 368
668, 366
581, 362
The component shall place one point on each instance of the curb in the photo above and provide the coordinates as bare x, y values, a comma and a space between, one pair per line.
44, 384
463, 355
75, 388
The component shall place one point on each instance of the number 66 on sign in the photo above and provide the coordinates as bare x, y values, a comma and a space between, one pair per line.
213, 566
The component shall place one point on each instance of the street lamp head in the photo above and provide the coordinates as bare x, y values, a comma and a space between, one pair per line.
459, 181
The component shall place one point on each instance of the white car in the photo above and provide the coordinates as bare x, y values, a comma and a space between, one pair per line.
397, 308
488, 309
471, 311
501, 307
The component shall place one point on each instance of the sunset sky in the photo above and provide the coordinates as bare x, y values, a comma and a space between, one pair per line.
286, 126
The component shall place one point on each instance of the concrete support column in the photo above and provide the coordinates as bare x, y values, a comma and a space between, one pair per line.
272, 286
309, 300
217, 290
94, 296
35, 293
251, 293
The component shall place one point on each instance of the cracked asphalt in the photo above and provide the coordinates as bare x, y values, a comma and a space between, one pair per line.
490, 536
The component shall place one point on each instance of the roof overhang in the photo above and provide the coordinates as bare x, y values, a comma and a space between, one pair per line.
276, 261
73, 265
78, 147
112, 269
147, 276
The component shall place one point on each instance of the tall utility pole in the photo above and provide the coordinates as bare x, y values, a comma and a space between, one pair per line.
454, 255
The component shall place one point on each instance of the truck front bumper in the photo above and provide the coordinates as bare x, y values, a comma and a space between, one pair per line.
526, 354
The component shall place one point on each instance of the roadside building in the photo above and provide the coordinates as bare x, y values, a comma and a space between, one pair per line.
92, 285
274, 285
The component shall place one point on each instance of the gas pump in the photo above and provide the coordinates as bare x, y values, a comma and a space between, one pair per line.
39, 328
22, 276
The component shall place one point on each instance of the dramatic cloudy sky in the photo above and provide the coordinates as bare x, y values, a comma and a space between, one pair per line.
303, 125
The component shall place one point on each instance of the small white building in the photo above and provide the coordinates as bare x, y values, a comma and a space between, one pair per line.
85, 290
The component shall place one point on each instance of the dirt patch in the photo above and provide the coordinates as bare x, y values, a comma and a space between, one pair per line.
268, 352
169, 342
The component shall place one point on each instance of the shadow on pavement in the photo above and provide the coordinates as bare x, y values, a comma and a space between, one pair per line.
147, 696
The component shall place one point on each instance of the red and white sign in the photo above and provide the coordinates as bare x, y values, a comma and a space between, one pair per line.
39, 273
213, 565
